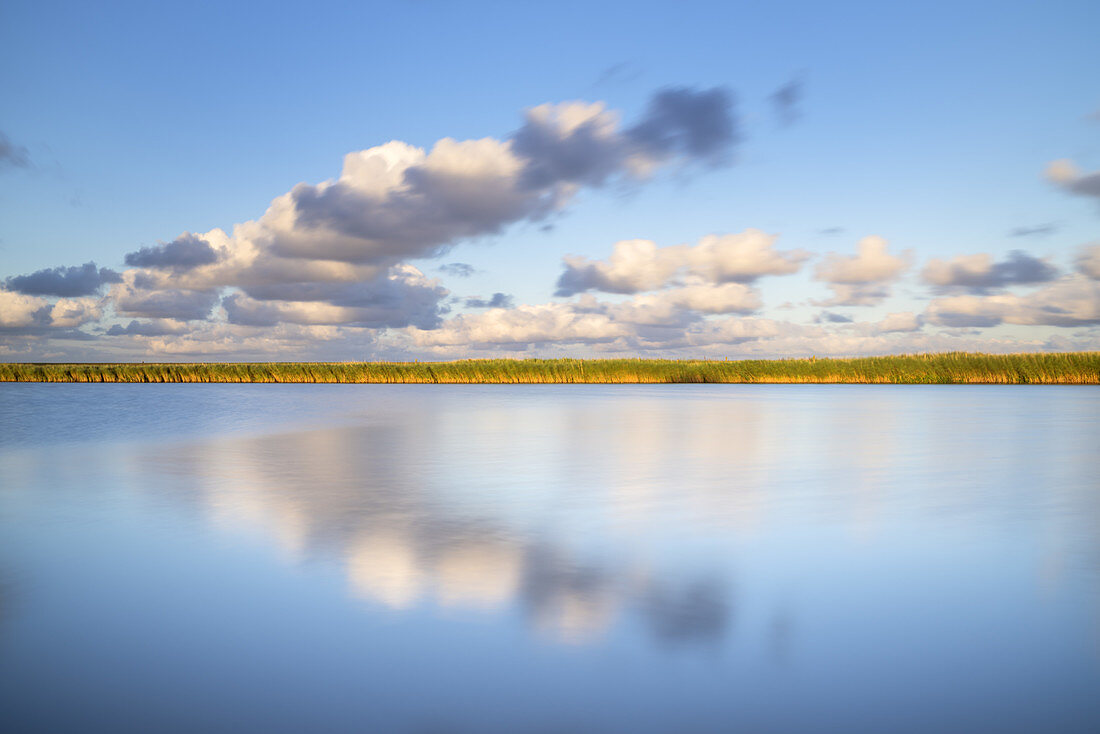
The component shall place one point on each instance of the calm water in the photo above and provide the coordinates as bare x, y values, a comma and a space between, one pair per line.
438, 559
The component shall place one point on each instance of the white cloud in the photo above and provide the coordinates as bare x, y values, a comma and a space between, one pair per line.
17, 310
862, 279
640, 265
1071, 301
902, 321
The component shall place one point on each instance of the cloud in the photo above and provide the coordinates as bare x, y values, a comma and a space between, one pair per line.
82, 280
459, 270
1088, 261
639, 265
522, 326
403, 298
828, 317
786, 101
499, 300
169, 303
1038, 230
183, 253
618, 73
979, 273
683, 122
12, 155
1064, 174
899, 322
861, 279
1071, 301
634, 266
19, 310
23, 313
396, 201
153, 327
335, 253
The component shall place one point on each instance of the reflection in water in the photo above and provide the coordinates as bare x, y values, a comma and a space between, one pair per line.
363, 495
586, 558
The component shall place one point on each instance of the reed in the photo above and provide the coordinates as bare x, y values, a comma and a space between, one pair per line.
1069, 368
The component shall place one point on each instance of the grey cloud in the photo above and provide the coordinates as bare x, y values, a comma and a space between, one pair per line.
1070, 301
183, 253
1087, 261
387, 302
184, 305
1022, 268
66, 282
978, 273
12, 155
786, 101
499, 300
832, 318
468, 189
156, 327
696, 124
587, 154
1064, 173
1038, 230
458, 270
830, 231
619, 73
435, 210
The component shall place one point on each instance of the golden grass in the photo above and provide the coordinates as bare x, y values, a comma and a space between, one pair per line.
1068, 368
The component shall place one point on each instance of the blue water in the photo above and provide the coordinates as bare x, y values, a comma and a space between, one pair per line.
438, 559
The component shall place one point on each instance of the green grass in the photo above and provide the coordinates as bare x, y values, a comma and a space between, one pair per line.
1070, 368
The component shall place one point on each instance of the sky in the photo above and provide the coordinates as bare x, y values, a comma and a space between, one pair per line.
439, 180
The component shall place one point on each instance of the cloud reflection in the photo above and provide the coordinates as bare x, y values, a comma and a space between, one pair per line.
366, 497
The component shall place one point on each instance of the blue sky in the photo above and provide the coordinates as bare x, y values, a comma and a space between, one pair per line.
933, 127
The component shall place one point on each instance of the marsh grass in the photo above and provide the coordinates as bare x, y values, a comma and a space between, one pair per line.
1069, 368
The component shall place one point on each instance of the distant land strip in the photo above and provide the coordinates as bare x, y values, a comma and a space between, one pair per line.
1067, 368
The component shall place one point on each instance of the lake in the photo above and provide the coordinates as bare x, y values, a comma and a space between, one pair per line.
586, 558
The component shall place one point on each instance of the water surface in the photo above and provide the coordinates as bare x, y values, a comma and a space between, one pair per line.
589, 558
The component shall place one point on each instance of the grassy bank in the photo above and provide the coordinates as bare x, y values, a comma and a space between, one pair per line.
1072, 368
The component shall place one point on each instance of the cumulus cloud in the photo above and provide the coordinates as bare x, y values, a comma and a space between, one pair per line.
522, 326
183, 253
163, 303
67, 282
498, 300
397, 201
27, 314
404, 297
12, 155
979, 273
335, 254
899, 322
1064, 174
149, 327
862, 279
639, 265
1071, 301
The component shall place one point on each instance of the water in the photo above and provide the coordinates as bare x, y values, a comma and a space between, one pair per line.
437, 559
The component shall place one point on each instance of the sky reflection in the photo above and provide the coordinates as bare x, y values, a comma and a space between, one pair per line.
595, 558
